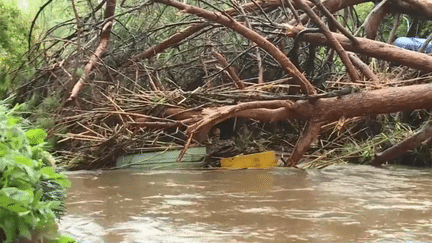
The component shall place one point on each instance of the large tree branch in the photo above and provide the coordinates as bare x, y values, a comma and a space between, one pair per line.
370, 48
262, 42
321, 111
382, 101
332, 40
374, 20
176, 38
331, 5
413, 7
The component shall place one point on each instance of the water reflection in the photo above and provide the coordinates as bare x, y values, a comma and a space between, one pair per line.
336, 204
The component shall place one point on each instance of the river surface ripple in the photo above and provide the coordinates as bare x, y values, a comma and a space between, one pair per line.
347, 203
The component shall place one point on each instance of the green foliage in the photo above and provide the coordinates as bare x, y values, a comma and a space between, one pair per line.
31, 192
13, 42
363, 10
15, 23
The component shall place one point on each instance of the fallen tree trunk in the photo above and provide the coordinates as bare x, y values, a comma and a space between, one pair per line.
413, 7
381, 101
321, 111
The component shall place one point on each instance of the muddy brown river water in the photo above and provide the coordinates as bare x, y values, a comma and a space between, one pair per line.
347, 203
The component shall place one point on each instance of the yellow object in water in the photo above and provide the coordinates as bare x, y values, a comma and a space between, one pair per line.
259, 160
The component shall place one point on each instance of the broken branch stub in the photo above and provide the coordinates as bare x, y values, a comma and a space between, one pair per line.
363, 67
310, 134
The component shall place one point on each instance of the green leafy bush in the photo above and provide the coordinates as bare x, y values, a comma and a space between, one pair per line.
31, 191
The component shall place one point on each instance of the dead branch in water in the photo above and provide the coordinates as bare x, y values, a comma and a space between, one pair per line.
323, 110
410, 143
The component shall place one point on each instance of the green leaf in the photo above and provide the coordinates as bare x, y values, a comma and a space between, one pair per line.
46, 212
18, 178
5, 163
53, 204
12, 121
63, 181
24, 214
36, 136
4, 199
16, 208
15, 142
32, 175
47, 158
37, 197
24, 160
65, 238
48, 171
24, 197
30, 218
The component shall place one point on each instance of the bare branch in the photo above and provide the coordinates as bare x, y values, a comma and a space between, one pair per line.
104, 41
251, 35
334, 42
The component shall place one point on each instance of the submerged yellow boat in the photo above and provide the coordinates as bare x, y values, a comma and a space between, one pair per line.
258, 160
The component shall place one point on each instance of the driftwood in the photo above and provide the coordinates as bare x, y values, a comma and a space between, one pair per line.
424, 134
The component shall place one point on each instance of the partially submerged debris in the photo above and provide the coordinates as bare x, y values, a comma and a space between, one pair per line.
163, 159
259, 161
